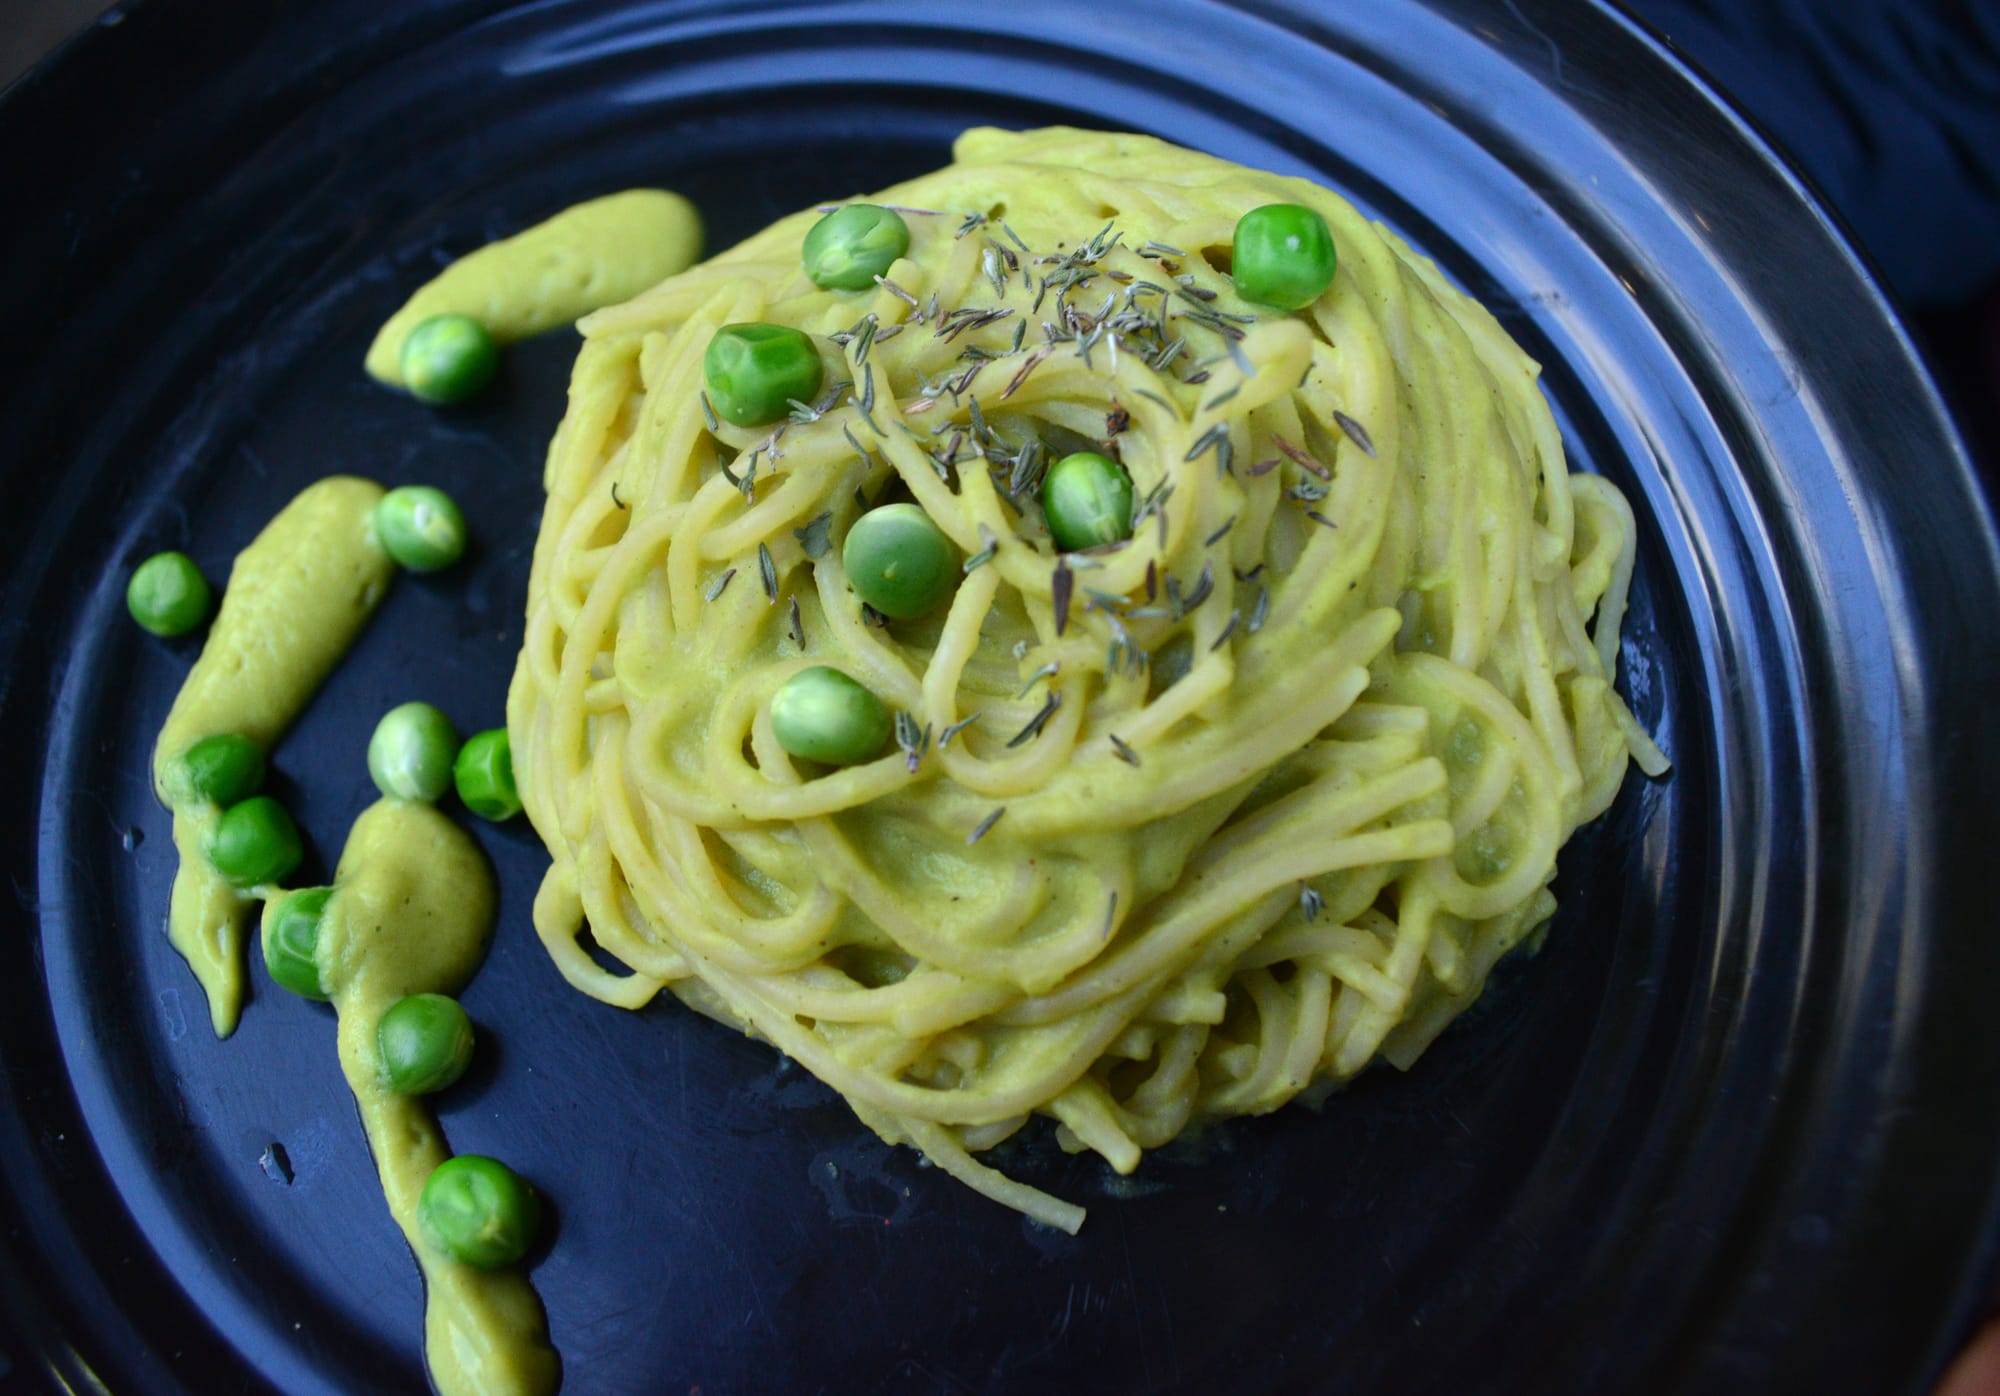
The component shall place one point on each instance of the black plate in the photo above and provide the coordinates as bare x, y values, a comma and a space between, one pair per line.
1733, 1130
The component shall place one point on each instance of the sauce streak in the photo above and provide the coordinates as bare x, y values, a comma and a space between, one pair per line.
297, 598
590, 255
412, 912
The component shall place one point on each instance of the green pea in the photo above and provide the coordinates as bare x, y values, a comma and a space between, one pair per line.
1282, 256
479, 1211
899, 561
420, 528
291, 940
850, 247
1087, 499
255, 844
823, 715
448, 358
755, 372
425, 1042
168, 595
484, 774
410, 756
224, 768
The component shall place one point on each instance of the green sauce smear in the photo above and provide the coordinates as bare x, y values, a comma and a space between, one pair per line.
297, 598
413, 903
412, 912
590, 255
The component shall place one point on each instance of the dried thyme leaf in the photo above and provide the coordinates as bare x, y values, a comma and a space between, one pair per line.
855, 442
767, 570
979, 829
864, 338
1215, 438
1300, 458
944, 737
1356, 433
913, 741
1259, 610
1204, 586
985, 554
1123, 653
1038, 721
816, 538
1047, 671
1021, 375
898, 292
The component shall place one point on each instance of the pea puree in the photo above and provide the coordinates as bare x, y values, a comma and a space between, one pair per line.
412, 912
297, 597
590, 255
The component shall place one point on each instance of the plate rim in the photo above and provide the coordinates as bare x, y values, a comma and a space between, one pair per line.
71, 63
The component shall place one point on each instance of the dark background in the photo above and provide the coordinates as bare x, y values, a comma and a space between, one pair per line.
1892, 108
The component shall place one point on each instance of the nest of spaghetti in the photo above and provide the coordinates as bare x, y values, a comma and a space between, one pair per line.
1173, 830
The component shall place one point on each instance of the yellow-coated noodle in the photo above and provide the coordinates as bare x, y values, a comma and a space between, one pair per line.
1177, 829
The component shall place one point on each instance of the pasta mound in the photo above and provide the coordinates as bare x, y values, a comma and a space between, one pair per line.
1175, 830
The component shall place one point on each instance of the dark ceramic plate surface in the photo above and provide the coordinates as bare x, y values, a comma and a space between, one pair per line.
1734, 1129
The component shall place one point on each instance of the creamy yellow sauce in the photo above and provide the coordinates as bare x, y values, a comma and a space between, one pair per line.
413, 904
297, 597
590, 255
412, 912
